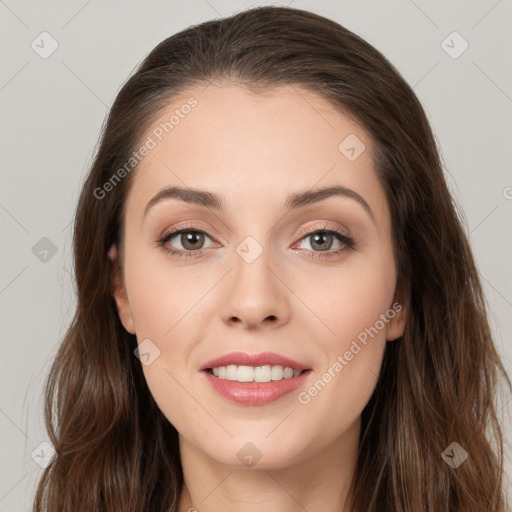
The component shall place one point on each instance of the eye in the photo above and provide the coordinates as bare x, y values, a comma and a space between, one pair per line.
190, 241
322, 240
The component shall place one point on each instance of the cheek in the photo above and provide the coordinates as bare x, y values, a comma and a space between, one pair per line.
158, 296
349, 300
355, 308
166, 309
162, 303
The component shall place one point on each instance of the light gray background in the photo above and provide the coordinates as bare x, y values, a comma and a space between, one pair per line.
52, 110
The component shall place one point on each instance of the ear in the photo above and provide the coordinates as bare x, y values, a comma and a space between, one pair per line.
119, 292
397, 314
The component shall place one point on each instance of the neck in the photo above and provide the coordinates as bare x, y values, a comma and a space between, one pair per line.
317, 483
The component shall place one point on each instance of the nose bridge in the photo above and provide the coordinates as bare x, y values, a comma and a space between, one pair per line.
255, 296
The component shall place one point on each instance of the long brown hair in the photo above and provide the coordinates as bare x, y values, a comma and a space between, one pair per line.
115, 450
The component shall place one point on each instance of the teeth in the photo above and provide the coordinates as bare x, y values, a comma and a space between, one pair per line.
255, 373
231, 372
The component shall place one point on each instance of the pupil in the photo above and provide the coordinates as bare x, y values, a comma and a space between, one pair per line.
322, 245
191, 238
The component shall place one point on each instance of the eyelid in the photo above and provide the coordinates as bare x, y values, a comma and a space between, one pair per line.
324, 227
341, 234
185, 227
301, 234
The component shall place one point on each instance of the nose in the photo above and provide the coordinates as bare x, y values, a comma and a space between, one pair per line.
256, 296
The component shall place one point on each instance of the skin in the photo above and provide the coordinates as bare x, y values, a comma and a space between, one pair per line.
255, 150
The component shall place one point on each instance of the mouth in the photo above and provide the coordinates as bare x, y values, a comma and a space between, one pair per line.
261, 391
254, 379
256, 374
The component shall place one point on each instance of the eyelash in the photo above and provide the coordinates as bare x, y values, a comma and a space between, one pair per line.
349, 243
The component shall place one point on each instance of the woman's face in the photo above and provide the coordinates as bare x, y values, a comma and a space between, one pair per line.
269, 273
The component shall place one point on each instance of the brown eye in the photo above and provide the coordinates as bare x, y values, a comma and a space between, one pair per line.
321, 241
325, 243
192, 240
185, 241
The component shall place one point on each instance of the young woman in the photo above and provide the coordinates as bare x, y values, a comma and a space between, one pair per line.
278, 308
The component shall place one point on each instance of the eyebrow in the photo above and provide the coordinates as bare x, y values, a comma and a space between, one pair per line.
293, 201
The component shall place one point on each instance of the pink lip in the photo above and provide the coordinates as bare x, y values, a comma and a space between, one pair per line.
262, 359
255, 393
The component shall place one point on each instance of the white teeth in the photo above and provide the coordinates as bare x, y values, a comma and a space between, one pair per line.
288, 373
231, 372
245, 374
265, 373
261, 373
277, 372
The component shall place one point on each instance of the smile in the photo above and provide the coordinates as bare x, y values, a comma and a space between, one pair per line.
265, 373
253, 392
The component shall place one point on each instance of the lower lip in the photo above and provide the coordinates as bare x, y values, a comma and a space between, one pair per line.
255, 393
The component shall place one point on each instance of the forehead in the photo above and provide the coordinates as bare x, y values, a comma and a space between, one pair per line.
253, 147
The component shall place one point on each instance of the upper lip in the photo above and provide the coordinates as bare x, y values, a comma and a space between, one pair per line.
261, 359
